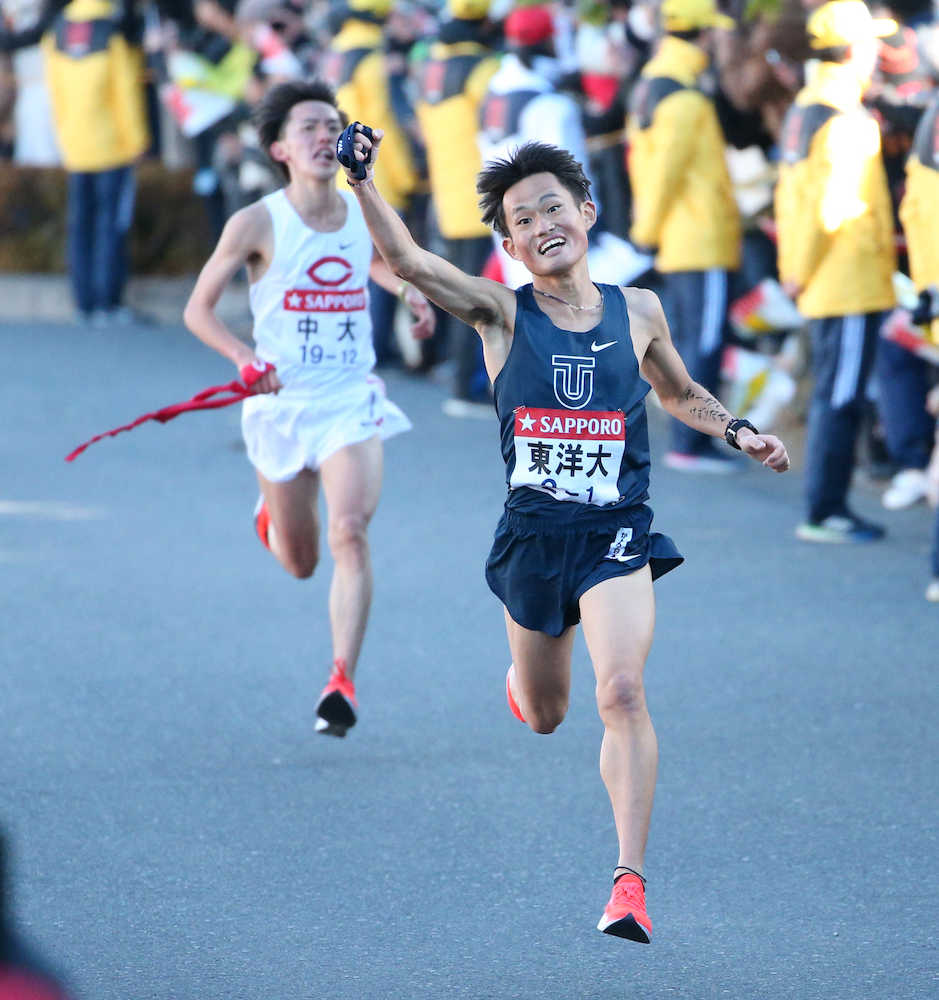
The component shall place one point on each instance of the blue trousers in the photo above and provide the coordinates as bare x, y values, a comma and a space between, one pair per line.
843, 349
382, 306
902, 384
462, 342
935, 546
100, 210
697, 303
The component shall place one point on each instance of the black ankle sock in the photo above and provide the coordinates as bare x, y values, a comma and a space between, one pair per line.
627, 871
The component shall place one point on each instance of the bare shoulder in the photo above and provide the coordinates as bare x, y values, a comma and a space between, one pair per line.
506, 302
646, 318
250, 227
643, 305
248, 238
495, 322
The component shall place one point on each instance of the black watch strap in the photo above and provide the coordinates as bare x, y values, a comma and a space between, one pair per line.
730, 431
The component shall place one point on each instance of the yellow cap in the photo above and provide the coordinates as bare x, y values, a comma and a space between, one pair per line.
380, 8
844, 22
469, 10
689, 15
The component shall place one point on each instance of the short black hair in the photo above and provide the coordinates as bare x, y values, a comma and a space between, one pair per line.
686, 34
527, 54
833, 54
271, 114
531, 158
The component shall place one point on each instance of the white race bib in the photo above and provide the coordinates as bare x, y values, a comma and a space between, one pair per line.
572, 455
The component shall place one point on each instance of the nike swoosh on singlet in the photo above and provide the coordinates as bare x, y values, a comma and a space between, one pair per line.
345, 246
601, 347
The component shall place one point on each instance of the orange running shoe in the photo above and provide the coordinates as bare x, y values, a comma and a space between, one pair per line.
262, 521
513, 704
335, 711
625, 915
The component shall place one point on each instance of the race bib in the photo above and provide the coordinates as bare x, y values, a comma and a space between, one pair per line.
572, 455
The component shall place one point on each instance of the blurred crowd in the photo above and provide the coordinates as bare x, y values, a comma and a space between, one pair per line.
765, 166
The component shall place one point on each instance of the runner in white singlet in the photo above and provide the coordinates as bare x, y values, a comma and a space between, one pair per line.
318, 414
312, 322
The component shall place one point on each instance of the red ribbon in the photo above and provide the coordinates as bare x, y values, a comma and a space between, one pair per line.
236, 392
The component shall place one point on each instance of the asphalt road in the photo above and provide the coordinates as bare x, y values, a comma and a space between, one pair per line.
178, 831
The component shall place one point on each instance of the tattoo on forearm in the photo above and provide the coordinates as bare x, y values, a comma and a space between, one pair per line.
704, 406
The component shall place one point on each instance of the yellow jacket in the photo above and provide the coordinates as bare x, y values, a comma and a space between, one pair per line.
95, 80
683, 199
832, 204
453, 85
919, 209
355, 66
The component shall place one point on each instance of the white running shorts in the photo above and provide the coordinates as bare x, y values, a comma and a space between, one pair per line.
284, 435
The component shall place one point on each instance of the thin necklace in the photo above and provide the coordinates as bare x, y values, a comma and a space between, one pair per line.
570, 305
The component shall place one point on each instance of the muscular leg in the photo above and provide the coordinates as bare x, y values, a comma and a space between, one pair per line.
618, 619
352, 485
294, 533
540, 675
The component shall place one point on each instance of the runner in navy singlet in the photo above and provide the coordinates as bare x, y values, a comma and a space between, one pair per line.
571, 363
573, 418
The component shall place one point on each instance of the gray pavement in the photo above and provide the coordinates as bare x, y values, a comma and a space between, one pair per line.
47, 298
178, 831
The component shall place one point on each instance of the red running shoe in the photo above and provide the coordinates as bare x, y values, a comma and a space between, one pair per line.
262, 521
513, 704
335, 711
625, 915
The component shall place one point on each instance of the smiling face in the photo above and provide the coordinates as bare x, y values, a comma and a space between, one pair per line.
307, 144
547, 228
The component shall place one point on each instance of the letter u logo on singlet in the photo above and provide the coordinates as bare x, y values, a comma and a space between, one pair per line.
573, 380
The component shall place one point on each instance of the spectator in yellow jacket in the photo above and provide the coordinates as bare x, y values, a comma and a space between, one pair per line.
683, 205
903, 83
836, 251
919, 213
919, 209
94, 71
453, 85
355, 67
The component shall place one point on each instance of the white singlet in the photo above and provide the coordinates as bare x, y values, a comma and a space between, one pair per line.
311, 321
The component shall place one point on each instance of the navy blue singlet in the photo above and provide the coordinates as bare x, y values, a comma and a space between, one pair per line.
572, 412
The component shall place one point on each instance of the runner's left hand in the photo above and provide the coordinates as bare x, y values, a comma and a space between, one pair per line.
424, 317
765, 448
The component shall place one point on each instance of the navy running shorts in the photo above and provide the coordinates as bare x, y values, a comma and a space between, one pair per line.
540, 569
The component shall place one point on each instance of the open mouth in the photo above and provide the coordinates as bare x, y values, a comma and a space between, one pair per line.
551, 244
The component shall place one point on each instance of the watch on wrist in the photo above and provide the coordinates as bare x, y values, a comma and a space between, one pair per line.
730, 431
